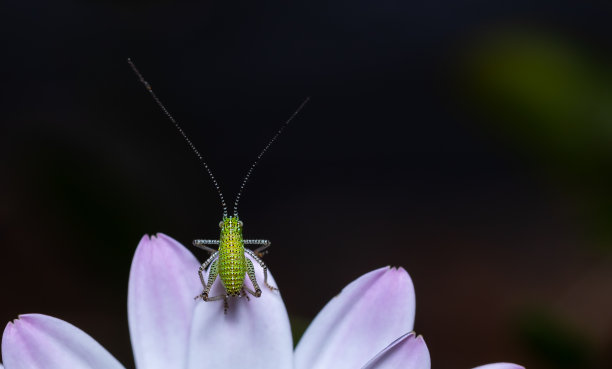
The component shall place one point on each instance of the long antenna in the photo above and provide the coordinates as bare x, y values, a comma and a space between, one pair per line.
280, 130
191, 145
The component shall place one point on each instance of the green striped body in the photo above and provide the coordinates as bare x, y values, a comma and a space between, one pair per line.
232, 264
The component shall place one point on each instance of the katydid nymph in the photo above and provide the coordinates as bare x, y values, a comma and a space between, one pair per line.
230, 261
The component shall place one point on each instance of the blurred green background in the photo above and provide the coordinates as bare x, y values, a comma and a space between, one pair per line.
467, 141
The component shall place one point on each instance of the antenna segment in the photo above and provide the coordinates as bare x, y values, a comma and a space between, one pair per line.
250, 171
191, 145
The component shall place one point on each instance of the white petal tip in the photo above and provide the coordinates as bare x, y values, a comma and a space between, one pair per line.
408, 351
500, 366
32, 339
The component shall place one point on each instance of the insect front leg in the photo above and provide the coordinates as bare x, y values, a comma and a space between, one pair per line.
258, 251
202, 245
263, 266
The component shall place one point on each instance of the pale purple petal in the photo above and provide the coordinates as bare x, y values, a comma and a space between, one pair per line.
500, 366
163, 282
254, 334
36, 341
1, 366
407, 352
361, 321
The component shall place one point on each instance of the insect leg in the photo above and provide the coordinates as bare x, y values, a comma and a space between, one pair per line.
202, 245
264, 245
201, 273
244, 294
212, 276
220, 297
251, 273
263, 266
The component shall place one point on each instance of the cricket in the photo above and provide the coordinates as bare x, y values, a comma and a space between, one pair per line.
230, 260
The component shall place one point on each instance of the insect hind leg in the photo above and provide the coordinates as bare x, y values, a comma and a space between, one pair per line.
263, 266
212, 275
205, 265
251, 274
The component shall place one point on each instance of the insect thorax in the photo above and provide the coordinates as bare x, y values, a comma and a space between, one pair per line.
232, 266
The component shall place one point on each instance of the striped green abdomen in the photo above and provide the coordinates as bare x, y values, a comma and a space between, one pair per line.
232, 265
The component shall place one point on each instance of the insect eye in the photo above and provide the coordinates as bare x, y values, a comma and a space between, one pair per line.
240, 223
221, 224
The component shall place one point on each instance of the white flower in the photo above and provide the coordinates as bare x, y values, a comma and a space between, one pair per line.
368, 325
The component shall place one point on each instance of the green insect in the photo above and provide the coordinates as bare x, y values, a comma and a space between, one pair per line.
229, 262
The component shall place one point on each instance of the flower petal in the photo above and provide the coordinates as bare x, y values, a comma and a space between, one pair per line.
163, 282
406, 352
361, 321
254, 334
500, 366
39, 341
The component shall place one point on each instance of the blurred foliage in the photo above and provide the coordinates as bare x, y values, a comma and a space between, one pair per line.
554, 341
298, 327
550, 100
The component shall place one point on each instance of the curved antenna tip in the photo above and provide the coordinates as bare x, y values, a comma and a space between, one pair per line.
178, 127
250, 171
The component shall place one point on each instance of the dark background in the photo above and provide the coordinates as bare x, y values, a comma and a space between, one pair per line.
467, 141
